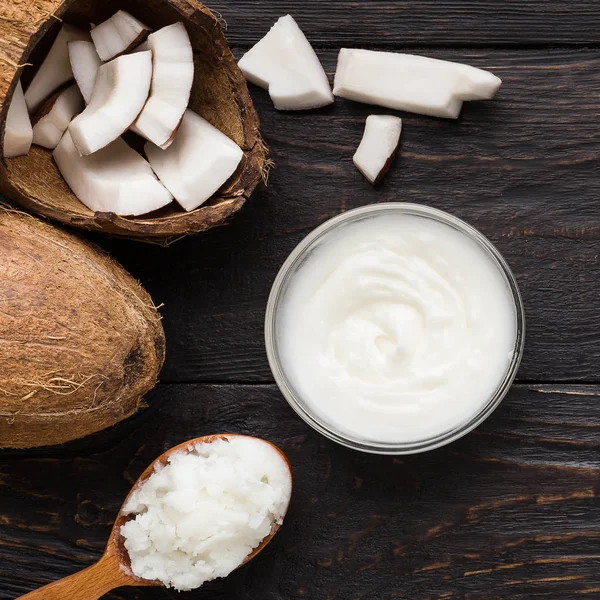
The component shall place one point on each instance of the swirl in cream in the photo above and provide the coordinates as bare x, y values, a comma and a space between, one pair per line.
396, 328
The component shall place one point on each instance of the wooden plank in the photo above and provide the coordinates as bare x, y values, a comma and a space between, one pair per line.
522, 168
509, 512
459, 23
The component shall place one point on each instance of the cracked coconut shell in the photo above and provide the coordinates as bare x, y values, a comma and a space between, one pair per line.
219, 94
81, 340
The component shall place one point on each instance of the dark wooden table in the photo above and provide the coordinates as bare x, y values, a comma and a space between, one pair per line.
510, 511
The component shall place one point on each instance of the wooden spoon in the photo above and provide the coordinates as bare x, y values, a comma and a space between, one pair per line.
113, 569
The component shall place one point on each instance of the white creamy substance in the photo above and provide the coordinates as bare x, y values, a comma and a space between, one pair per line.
396, 328
201, 515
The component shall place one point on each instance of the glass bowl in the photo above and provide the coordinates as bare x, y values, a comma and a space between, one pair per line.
301, 253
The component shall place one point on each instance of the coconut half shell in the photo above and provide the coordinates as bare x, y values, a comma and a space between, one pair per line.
81, 340
219, 94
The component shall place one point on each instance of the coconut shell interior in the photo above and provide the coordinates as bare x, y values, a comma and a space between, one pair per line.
219, 94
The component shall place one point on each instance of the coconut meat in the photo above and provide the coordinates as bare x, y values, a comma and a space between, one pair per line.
55, 70
199, 161
18, 133
121, 90
412, 83
54, 117
115, 179
200, 515
378, 147
85, 63
117, 35
172, 78
285, 63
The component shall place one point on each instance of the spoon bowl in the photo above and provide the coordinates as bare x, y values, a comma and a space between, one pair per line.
113, 570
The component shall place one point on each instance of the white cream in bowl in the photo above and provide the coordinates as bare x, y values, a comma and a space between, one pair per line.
395, 328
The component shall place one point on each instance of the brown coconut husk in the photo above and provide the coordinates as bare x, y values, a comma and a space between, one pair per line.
82, 341
219, 94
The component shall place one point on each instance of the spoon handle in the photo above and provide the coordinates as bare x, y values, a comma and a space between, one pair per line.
89, 584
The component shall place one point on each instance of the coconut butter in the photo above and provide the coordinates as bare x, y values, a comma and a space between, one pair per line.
395, 328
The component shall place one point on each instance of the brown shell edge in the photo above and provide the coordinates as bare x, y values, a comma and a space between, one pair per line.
388, 163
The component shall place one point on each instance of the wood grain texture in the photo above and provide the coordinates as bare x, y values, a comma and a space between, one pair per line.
406, 24
523, 168
509, 512
91, 583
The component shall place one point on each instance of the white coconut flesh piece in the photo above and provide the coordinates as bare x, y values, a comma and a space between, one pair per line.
55, 71
412, 83
121, 90
85, 63
18, 133
199, 161
285, 63
172, 78
116, 179
54, 117
378, 147
117, 35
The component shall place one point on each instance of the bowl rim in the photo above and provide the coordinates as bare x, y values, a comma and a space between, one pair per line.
289, 268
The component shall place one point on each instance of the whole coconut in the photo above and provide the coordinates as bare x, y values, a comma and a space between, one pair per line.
80, 340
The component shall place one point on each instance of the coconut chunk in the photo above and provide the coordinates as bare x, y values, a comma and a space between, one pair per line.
55, 71
116, 179
117, 35
18, 133
197, 163
172, 78
285, 63
378, 147
54, 117
412, 83
121, 90
85, 63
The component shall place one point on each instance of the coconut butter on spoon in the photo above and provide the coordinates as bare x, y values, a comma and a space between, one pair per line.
218, 495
